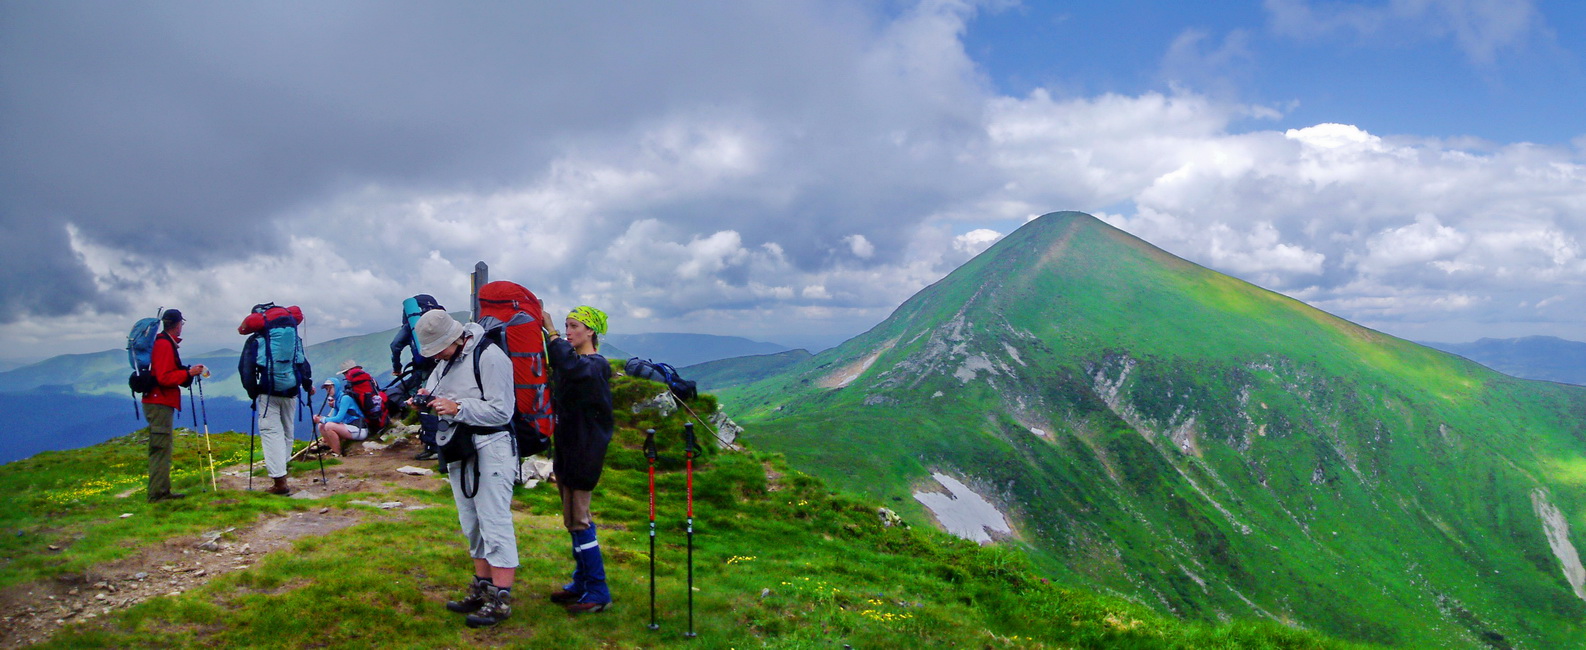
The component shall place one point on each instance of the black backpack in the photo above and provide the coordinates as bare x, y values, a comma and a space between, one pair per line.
664, 373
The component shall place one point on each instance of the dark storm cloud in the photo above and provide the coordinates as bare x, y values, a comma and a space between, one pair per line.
189, 131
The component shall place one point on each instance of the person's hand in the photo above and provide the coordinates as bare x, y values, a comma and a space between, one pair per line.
550, 331
316, 419
443, 406
194, 371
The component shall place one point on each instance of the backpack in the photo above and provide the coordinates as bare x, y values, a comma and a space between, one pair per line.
140, 354
513, 317
412, 309
272, 360
664, 373
372, 402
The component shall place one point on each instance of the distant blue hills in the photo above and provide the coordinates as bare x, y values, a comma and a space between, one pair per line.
75, 400
1548, 358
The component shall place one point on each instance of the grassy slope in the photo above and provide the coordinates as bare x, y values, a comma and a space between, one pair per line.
1338, 477
783, 563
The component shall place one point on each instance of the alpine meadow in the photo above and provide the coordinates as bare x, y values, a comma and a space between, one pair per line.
1205, 447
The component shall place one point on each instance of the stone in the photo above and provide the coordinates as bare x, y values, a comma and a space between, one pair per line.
664, 403
124, 515
415, 471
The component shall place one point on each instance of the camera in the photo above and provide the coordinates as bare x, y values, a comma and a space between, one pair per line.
423, 402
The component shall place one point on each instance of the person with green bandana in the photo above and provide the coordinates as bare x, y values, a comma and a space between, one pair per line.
582, 393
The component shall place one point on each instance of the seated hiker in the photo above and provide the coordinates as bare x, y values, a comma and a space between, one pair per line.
346, 423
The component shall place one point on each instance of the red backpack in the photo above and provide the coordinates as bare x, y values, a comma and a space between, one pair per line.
512, 317
372, 402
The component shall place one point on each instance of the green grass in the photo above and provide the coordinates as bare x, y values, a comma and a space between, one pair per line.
74, 500
788, 563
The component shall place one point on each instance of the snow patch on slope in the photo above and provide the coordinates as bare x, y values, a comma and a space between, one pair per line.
962, 512
1557, 530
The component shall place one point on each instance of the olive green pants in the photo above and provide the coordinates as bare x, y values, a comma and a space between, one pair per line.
160, 446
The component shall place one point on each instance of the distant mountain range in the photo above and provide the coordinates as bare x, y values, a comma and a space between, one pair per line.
82, 399
1547, 358
1143, 424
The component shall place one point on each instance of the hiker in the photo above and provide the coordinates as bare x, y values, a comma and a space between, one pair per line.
582, 392
474, 411
419, 368
274, 373
345, 423
162, 402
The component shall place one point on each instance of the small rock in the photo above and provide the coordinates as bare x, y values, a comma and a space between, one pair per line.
324, 510
246, 548
54, 547
72, 591
765, 592
415, 471
174, 593
124, 515
390, 504
99, 596
200, 572
140, 575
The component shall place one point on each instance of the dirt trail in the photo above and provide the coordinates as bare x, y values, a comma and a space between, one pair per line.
33, 612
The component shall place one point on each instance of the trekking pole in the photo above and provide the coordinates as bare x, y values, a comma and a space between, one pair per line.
321, 456
253, 426
690, 450
649, 454
208, 448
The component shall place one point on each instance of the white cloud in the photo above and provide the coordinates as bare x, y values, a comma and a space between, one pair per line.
976, 241
808, 196
859, 246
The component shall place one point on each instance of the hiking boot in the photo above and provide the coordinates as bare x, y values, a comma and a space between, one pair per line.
168, 496
427, 454
473, 601
497, 608
280, 487
587, 608
562, 596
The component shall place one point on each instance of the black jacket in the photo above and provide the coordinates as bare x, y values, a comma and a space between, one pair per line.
582, 395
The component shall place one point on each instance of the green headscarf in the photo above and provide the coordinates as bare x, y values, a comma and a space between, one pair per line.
591, 317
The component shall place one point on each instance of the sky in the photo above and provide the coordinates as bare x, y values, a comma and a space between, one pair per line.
782, 171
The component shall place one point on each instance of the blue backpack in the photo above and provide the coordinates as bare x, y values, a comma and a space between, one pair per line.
664, 373
412, 309
140, 352
272, 361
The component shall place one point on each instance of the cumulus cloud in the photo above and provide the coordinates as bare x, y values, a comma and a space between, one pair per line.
798, 190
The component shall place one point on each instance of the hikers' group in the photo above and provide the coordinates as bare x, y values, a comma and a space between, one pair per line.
487, 393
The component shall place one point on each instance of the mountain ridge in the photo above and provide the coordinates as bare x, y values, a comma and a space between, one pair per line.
1160, 429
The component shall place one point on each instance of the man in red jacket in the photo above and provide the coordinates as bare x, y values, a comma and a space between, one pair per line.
161, 404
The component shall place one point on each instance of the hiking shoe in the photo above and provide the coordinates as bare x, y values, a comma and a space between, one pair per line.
427, 454
565, 597
473, 601
587, 608
497, 608
168, 496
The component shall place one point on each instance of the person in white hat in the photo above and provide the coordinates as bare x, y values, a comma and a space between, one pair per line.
473, 396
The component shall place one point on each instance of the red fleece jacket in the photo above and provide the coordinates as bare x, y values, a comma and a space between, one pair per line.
169, 373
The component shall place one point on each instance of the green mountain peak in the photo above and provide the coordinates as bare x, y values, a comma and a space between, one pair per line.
1204, 445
